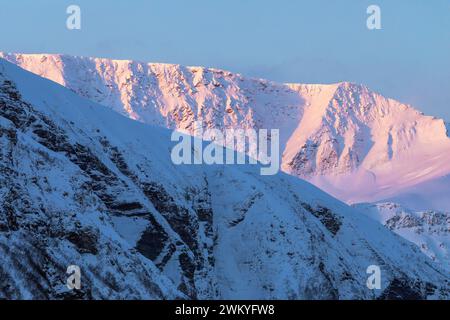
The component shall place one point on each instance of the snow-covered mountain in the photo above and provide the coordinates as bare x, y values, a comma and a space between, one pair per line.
344, 138
429, 230
80, 184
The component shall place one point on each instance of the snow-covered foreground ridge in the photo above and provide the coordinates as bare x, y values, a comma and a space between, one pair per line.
80, 184
344, 138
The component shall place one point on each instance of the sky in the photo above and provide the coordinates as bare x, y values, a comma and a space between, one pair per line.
314, 41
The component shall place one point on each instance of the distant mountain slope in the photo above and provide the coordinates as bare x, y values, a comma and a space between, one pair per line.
429, 195
344, 138
80, 184
429, 230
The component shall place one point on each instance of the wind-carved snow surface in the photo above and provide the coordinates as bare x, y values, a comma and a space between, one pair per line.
80, 184
344, 138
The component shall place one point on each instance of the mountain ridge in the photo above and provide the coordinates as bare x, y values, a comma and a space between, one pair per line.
343, 137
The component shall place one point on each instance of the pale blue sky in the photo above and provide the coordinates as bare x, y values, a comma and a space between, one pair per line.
314, 41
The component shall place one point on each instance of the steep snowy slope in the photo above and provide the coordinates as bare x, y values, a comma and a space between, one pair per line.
430, 230
80, 184
344, 138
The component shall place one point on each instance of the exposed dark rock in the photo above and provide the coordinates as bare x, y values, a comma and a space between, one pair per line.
177, 216
326, 216
188, 268
126, 206
84, 240
333, 293
171, 249
152, 241
400, 289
